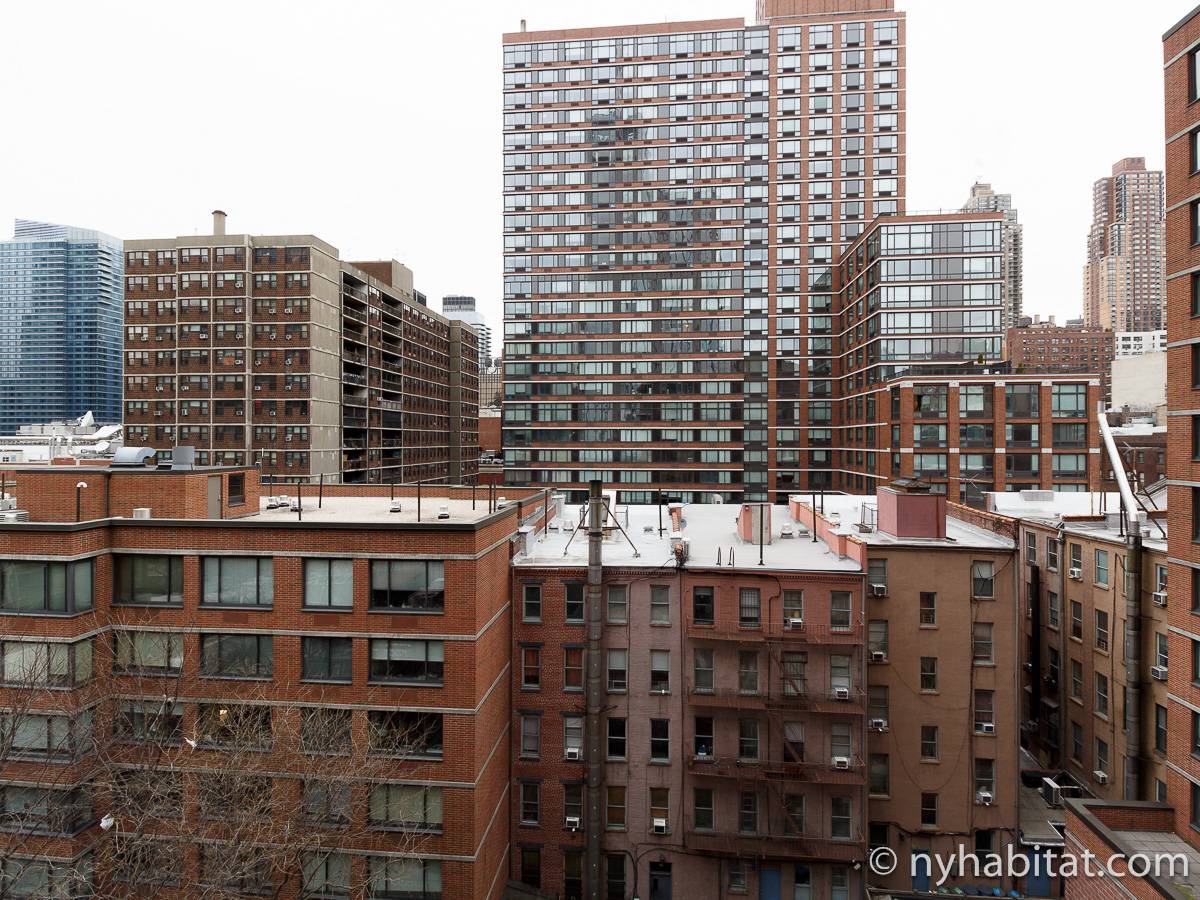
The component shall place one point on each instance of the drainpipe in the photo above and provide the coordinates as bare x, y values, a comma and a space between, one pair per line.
1133, 618
594, 695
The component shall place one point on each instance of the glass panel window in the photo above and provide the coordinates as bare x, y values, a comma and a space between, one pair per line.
238, 581
37, 663
152, 652
329, 583
407, 661
618, 670
749, 607
407, 807
618, 604
660, 604
326, 658
235, 655
408, 585
148, 579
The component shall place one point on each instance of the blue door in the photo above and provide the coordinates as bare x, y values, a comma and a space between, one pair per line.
1037, 883
768, 884
920, 870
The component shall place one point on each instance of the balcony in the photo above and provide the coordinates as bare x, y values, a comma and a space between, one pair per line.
774, 845
797, 632
824, 772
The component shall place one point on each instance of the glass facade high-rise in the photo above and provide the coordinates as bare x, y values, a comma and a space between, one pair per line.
60, 325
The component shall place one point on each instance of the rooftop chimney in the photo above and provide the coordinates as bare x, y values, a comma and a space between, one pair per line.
218, 223
522, 25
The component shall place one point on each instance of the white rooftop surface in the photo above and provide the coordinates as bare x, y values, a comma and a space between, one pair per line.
1142, 429
846, 511
1065, 505
374, 510
707, 527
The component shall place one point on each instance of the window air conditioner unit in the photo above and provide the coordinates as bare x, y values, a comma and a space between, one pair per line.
793, 622
879, 724
574, 753
841, 693
1158, 673
660, 826
841, 762
1159, 598
878, 656
572, 823
987, 727
1100, 776
1076, 574
984, 798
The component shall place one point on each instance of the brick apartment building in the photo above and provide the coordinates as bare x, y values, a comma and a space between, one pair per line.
1044, 347
139, 650
270, 350
1173, 826
758, 735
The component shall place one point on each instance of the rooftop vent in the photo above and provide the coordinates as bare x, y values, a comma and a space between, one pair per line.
133, 457
183, 459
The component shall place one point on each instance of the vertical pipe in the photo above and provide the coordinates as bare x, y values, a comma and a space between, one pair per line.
418, 501
321, 491
595, 689
299, 501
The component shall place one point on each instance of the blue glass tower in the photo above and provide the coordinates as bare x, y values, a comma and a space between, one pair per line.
60, 325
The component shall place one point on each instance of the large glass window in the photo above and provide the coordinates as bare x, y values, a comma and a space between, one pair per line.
46, 664
238, 581
1069, 401
1021, 401
329, 583
327, 659
402, 732
411, 807
148, 579
404, 879
236, 655
147, 651
47, 736
408, 661
412, 585
45, 587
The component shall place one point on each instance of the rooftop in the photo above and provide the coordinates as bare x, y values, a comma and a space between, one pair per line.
709, 529
846, 511
1093, 514
372, 510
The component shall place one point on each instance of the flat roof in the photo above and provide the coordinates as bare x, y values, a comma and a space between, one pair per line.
372, 510
709, 528
847, 510
1055, 508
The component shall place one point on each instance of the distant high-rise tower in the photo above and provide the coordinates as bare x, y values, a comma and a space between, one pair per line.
463, 310
984, 199
1124, 281
60, 344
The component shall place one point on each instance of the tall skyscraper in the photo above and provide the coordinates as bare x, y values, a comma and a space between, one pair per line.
462, 309
984, 199
676, 196
60, 312
271, 350
1124, 278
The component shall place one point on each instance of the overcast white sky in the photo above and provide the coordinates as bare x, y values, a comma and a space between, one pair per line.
377, 125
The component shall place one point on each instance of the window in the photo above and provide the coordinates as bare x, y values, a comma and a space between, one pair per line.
1030, 548
793, 606
531, 668
1076, 679
407, 661
929, 810
329, 583
702, 605
149, 721
235, 655
839, 610
618, 604
618, 670
326, 874
531, 606
703, 737
1077, 742
748, 739
531, 737
38, 736
1101, 630
1195, 293
879, 773
1101, 694
1160, 728
1053, 609
573, 603
146, 579
324, 730
408, 585
1194, 220
1076, 556
929, 742
792, 672
748, 607
703, 818
572, 875
1051, 553
747, 672
985, 776
660, 671
1069, 401
45, 587
1102, 567
238, 581
660, 740
748, 813
981, 643
573, 668
877, 574
531, 866
617, 739
1161, 652
928, 613
983, 579
1077, 620
615, 879
877, 636
1101, 755
148, 652
614, 819
660, 604
984, 710
412, 807
839, 818
326, 659
660, 804
234, 726
405, 733
703, 675
404, 879
573, 736
929, 680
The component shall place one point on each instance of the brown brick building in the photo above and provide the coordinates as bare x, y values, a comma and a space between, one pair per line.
1043, 347
272, 351
364, 646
